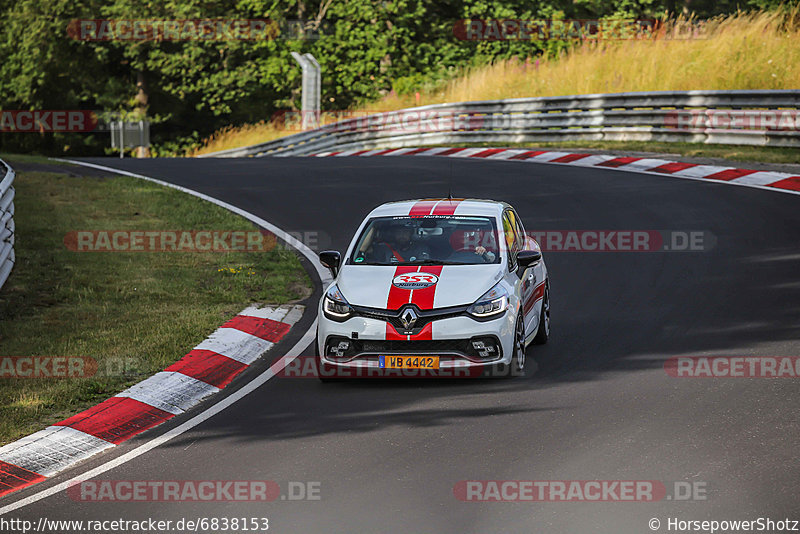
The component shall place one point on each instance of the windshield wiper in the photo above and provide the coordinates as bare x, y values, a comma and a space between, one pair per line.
432, 262
415, 262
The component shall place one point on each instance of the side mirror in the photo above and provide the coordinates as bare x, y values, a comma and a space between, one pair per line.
527, 258
332, 259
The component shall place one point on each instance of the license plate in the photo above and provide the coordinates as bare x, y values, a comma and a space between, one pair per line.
409, 362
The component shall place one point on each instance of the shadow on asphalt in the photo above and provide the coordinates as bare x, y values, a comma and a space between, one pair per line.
613, 312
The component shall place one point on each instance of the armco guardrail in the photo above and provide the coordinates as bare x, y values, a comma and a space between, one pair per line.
6, 221
762, 117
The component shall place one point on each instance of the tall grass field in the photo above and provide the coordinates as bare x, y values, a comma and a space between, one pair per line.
756, 50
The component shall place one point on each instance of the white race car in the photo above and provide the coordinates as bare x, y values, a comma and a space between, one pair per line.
434, 284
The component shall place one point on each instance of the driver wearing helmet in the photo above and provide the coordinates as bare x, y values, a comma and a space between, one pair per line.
400, 246
476, 236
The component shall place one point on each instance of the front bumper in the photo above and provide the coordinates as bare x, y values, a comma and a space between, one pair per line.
452, 340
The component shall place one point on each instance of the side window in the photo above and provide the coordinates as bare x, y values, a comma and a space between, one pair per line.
521, 237
512, 242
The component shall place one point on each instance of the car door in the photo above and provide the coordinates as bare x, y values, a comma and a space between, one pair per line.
514, 243
529, 278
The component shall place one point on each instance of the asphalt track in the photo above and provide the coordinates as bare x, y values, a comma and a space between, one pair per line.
599, 407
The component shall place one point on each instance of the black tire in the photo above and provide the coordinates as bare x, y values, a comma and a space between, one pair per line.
543, 334
517, 365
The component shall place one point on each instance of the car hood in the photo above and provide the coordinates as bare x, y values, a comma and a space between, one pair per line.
371, 285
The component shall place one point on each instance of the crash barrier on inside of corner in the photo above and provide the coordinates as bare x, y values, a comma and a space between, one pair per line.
759, 117
6, 221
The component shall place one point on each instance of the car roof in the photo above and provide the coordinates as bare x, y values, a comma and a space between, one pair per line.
424, 206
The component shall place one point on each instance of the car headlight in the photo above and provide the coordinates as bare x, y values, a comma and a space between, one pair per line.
493, 303
335, 306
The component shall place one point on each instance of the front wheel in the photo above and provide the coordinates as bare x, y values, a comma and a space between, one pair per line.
518, 360
543, 334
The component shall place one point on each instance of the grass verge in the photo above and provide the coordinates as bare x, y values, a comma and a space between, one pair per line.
132, 312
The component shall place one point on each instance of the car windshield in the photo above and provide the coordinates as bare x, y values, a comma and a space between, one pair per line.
433, 240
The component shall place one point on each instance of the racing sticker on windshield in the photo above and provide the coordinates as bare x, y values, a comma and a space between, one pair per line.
415, 280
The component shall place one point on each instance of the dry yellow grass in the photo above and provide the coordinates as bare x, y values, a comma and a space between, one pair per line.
758, 50
248, 134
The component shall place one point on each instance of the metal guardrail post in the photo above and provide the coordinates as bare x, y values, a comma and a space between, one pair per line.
7, 228
311, 89
138, 135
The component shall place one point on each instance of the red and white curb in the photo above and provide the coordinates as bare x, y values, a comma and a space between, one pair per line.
775, 181
205, 370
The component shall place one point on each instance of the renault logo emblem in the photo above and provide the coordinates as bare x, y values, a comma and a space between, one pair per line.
408, 318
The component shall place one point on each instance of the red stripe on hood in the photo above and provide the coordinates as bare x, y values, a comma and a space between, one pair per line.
425, 333
423, 298
391, 334
446, 207
397, 296
422, 208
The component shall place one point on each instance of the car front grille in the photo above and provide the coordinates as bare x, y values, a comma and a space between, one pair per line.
424, 317
447, 349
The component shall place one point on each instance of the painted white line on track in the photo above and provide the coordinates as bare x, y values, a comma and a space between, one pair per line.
307, 338
170, 391
432, 152
273, 314
235, 344
590, 161
400, 151
701, 171
548, 156
213, 410
53, 449
707, 181
467, 152
758, 180
293, 241
643, 164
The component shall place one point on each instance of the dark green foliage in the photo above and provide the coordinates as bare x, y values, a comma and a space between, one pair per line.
194, 88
